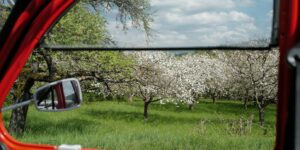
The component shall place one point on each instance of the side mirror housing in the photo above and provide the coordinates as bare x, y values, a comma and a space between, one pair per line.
58, 96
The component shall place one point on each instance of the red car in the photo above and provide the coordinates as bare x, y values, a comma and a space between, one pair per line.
30, 19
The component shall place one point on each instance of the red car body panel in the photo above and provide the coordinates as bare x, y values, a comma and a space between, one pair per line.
289, 36
32, 23
35, 20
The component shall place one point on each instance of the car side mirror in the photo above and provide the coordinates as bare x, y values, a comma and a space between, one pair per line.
58, 96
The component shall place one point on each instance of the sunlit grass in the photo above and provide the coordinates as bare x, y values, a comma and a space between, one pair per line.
120, 125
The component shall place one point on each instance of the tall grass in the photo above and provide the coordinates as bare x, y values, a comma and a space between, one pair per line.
120, 125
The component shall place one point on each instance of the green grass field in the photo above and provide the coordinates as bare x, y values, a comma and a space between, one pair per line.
120, 125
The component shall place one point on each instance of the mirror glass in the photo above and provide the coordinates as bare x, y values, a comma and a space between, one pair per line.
166, 24
59, 95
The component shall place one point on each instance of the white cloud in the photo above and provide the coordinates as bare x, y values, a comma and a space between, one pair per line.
270, 14
245, 3
194, 4
206, 18
206, 36
194, 23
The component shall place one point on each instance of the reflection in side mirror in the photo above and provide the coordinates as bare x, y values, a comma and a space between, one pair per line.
58, 96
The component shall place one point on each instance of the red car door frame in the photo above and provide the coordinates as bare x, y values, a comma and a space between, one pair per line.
32, 18
289, 36
29, 21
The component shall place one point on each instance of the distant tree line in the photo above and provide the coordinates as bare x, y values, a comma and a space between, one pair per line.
249, 76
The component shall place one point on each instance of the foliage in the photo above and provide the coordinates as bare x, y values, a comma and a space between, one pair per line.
255, 74
255, 77
104, 73
136, 12
149, 78
241, 75
79, 26
199, 75
107, 72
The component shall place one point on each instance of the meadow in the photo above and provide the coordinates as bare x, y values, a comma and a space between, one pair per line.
120, 125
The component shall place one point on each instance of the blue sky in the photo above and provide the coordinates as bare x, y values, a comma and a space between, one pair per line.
198, 23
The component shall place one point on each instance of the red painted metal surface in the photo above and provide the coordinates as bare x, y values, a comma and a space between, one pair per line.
289, 36
60, 96
34, 21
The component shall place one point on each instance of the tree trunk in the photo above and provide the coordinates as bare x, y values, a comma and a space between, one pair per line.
262, 116
191, 106
214, 99
130, 98
18, 116
146, 104
246, 103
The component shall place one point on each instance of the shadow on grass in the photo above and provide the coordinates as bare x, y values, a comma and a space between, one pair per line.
70, 125
223, 107
205, 110
153, 118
